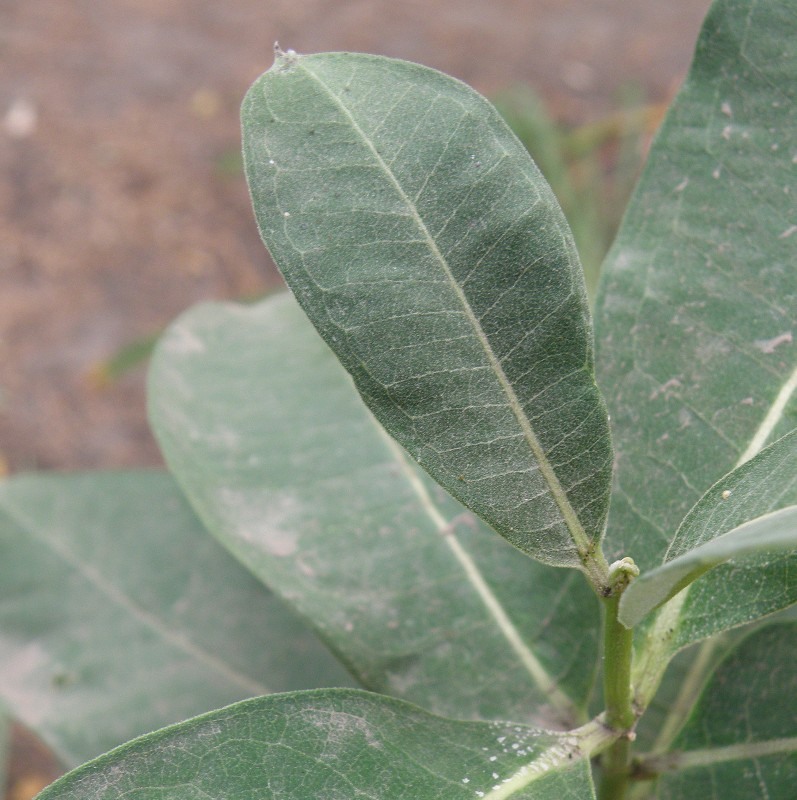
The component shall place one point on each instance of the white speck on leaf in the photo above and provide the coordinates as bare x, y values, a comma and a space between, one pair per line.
726, 109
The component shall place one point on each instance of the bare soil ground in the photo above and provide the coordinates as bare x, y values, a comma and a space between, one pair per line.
119, 202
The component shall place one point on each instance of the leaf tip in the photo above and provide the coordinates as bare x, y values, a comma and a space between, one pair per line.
284, 60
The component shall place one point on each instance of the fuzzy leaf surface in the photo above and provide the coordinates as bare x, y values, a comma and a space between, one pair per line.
739, 742
747, 513
120, 614
336, 745
696, 313
427, 249
284, 463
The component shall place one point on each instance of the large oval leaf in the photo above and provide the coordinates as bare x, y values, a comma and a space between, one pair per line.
265, 432
339, 745
120, 614
430, 253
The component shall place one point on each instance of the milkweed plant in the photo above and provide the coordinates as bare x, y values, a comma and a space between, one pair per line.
484, 545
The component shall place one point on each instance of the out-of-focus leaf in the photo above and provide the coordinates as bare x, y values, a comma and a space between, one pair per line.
120, 614
739, 743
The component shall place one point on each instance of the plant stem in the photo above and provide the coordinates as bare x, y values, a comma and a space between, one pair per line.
615, 770
617, 652
618, 694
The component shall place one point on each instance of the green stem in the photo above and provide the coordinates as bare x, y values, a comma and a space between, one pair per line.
617, 690
615, 770
617, 652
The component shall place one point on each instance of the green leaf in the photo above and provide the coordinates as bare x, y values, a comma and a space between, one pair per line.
431, 255
739, 743
119, 614
746, 513
732, 594
695, 317
767, 534
338, 745
283, 462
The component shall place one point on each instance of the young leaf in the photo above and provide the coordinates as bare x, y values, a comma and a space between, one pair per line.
338, 745
767, 534
739, 743
431, 255
732, 594
268, 437
746, 513
119, 614
695, 317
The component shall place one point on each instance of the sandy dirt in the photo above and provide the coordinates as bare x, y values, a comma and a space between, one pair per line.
120, 202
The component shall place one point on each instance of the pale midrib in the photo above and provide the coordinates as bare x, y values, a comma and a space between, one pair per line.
172, 637
538, 673
690, 759
771, 420
580, 743
580, 539
688, 694
669, 616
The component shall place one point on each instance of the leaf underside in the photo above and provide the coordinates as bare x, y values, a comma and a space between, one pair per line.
432, 257
119, 614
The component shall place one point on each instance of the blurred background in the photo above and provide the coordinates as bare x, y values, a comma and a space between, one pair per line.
122, 200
